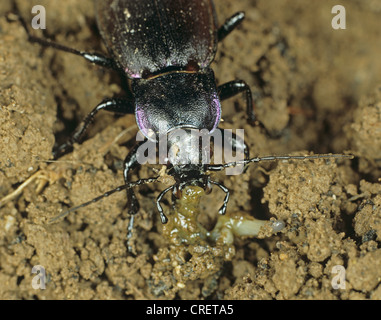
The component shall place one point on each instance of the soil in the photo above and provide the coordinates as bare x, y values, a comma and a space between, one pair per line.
316, 89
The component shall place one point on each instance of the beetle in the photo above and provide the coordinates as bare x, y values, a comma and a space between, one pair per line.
165, 48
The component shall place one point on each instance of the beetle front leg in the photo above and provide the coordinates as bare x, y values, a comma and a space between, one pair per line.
163, 217
118, 105
232, 88
131, 163
222, 210
237, 143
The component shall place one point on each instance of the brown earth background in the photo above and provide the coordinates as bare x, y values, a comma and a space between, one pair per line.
316, 89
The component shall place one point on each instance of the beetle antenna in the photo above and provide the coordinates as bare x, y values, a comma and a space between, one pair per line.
105, 195
219, 167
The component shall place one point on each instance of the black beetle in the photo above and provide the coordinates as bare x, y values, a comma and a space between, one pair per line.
165, 48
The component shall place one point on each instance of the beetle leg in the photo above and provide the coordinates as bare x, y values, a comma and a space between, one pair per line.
95, 58
131, 163
129, 232
230, 89
119, 105
230, 24
222, 210
237, 143
163, 217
